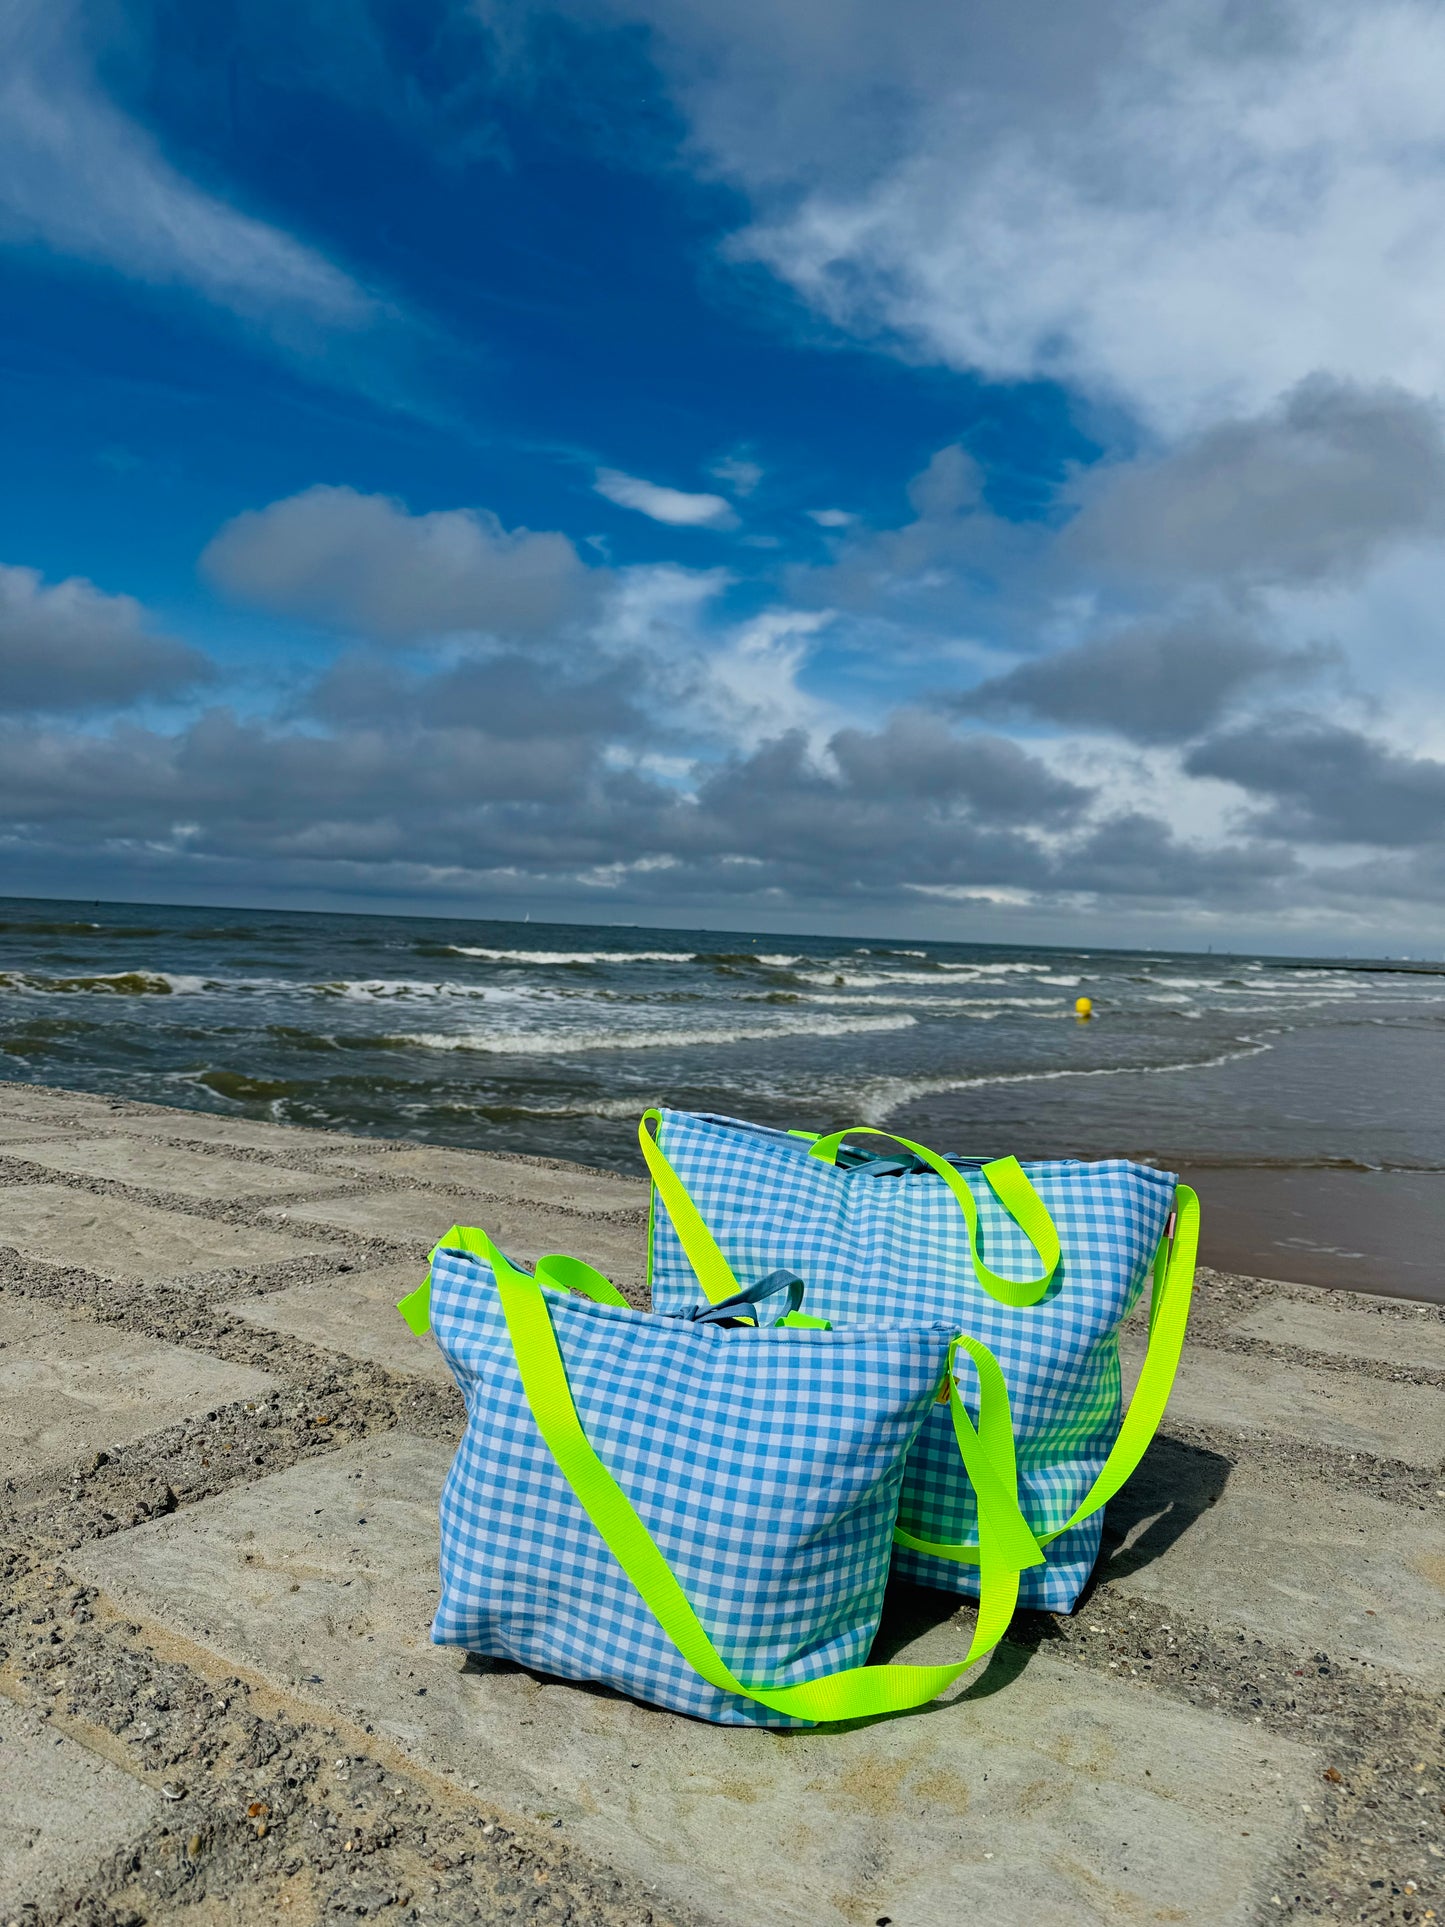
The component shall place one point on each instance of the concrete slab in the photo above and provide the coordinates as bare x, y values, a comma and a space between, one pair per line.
477, 1175
19, 1100
119, 1239
166, 1167
69, 1386
1059, 1796
1262, 1395
23, 1128
64, 1809
1310, 1568
353, 1312
1415, 1338
206, 1127
525, 1232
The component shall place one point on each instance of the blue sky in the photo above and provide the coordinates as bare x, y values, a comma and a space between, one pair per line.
953, 469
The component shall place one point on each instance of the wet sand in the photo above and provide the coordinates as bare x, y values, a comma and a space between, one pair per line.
1376, 1231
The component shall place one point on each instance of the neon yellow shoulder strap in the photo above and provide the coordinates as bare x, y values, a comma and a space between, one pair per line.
714, 1273
1169, 1303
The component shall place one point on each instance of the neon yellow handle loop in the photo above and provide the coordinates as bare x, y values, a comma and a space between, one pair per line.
1169, 1304
859, 1692
1012, 1189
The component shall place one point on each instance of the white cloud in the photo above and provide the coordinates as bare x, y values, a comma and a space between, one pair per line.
1185, 210
80, 178
364, 563
669, 505
738, 473
719, 683
749, 680
832, 518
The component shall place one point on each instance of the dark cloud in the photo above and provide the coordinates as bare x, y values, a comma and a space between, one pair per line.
71, 648
1134, 855
366, 565
1156, 684
1329, 784
913, 755
907, 804
929, 569
508, 695
877, 818
1314, 488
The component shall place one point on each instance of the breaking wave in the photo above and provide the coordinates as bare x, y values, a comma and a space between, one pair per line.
565, 956
559, 1043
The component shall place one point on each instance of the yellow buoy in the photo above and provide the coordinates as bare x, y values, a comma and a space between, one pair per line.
1083, 1007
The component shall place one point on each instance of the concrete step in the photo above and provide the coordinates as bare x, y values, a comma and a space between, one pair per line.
70, 1388
1234, 1392
1059, 1796
64, 1812
165, 1167
117, 1238
525, 1232
1402, 1335
1307, 1565
209, 1127
352, 1312
477, 1175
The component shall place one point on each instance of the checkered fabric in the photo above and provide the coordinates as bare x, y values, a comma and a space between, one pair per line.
889, 1247
765, 1464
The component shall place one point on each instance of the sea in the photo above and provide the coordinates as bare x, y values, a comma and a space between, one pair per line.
552, 1038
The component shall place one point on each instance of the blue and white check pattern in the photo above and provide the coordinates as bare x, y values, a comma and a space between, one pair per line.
765, 1464
871, 1246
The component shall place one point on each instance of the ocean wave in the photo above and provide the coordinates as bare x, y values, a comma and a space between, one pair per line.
545, 957
995, 968
948, 976
936, 1006
561, 1043
868, 979
119, 983
393, 989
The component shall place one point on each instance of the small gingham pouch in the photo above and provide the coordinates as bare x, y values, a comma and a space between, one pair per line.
765, 1463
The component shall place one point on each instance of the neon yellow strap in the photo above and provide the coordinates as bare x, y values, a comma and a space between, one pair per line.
1168, 1317
860, 1692
714, 1273
564, 1274
1010, 1186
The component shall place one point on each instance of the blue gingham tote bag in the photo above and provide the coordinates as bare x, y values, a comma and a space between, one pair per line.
1042, 1262
697, 1513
